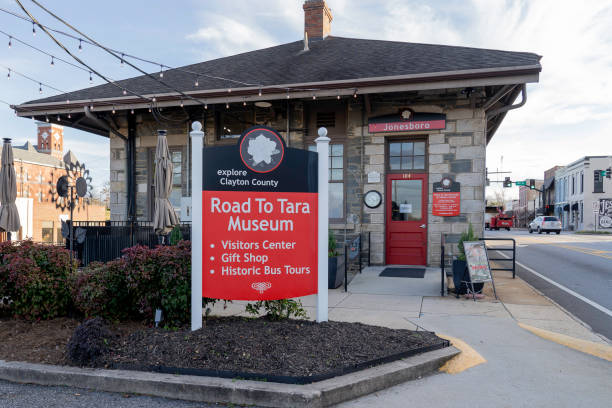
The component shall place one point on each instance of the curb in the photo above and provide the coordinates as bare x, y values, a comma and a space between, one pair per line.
223, 390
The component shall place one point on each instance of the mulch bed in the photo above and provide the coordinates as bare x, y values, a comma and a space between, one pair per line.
292, 351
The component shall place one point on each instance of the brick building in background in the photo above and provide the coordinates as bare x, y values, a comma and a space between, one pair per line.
38, 169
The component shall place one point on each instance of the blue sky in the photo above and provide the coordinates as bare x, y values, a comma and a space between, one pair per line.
567, 114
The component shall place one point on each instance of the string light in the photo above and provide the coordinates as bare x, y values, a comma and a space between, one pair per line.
122, 55
39, 88
314, 97
91, 107
226, 105
259, 91
58, 118
149, 108
69, 115
52, 61
338, 96
10, 42
67, 101
161, 71
244, 103
197, 83
154, 99
229, 90
33, 29
287, 94
124, 91
90, 78
46, 119
9, 74
355, 93
181, 103
113, 109
205, 106
80, 45
132, 111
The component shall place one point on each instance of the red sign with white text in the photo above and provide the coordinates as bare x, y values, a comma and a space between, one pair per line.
446, 204
260, 219
406, 126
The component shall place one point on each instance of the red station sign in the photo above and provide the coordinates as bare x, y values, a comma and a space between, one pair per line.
407, 121
259, 219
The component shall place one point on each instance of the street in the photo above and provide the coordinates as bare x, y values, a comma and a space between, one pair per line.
573, 270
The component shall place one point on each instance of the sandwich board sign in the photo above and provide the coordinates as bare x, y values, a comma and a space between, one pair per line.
478, 263
257, 229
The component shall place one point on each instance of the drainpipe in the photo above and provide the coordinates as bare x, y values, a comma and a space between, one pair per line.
131, 168
507, 108
102, 123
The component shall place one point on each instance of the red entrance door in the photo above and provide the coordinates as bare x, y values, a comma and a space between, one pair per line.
406, 223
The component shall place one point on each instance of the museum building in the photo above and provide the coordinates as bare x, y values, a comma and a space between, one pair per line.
409, 124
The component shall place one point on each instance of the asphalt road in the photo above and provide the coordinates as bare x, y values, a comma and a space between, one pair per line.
573, 270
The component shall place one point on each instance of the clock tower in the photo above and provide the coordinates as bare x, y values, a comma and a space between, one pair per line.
51, 139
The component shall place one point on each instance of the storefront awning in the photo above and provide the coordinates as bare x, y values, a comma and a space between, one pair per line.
575, 207
566, 207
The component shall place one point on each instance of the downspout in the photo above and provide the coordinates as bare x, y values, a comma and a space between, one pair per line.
131, 168
507, 108
102, 123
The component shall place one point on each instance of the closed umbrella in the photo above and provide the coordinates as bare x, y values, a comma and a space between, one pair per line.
9, 216
164, 217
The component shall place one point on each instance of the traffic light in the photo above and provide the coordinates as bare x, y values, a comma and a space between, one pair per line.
609, 172
597, 175
532, 184
507, 182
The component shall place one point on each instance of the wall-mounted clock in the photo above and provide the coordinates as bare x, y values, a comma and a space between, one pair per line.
372, 199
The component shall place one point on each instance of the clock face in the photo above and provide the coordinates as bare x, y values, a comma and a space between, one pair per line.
372, 199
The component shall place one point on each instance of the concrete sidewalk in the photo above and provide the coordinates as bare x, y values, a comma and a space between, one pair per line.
521, 368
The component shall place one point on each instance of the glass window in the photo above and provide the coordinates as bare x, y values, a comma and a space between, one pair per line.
407, 155
233, 123
406, 198
336, 178
47, 231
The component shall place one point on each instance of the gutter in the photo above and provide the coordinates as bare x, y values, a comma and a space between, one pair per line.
507, 108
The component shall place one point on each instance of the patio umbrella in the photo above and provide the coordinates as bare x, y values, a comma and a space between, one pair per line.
164, 217
9, 216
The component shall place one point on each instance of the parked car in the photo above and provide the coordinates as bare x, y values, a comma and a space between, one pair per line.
545, 224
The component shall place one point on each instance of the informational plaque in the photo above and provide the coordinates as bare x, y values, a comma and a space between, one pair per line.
446, 198
477, 261
259, 219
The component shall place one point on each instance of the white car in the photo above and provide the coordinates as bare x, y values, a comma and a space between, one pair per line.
546, 224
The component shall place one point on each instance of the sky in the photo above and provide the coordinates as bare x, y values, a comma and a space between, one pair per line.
567, 115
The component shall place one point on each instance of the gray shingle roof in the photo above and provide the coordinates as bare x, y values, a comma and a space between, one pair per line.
28, 153
333, 59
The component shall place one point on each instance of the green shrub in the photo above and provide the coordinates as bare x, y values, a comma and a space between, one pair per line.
466, 236
34, 279
331, 244
176, 235
278, 309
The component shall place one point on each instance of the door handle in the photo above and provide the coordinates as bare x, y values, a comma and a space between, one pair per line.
423, 226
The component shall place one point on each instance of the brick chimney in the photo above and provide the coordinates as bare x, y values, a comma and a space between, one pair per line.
317, 19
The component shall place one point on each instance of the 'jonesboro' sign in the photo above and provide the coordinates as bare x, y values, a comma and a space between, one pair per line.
407, 121
259, 219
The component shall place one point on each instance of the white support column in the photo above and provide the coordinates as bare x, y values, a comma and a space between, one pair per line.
197, 137
322, 294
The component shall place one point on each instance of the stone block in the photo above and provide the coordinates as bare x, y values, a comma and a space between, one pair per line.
458, 228
451, 126
439, 168
436, 139
377, 238
449, 156
467, 193
374, 149
117, 164
461, 166
479, 138
436, 159
380, 168
478, 165
377, 140
460, 114
439, 149
439, 228
470, 152
472, 206
377, 218
377, 159
460, 141
470, 179
470, 125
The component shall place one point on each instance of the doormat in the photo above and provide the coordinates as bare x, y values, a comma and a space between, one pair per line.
403, 272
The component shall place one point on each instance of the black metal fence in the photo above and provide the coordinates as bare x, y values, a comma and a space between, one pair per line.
356, 256
105, 240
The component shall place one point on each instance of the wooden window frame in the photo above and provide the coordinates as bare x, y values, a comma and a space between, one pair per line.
404, 139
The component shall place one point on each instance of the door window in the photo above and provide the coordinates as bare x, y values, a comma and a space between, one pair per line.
406, 199
407, 155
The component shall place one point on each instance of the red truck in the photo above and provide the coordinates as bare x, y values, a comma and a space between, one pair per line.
500, 220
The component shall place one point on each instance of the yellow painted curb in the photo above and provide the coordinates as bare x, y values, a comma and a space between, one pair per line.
595, 349
468, 357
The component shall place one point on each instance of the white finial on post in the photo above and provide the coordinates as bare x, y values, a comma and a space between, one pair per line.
323, 262
197, 144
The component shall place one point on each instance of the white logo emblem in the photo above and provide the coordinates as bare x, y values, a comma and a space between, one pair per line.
262, 149
406, 114
261, 287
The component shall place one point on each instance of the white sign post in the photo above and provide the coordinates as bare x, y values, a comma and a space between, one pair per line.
197, 138
323, 252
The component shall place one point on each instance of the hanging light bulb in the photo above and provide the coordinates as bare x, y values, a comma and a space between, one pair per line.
244, 103
58, 118
91, 107
113, 109
132, 111
181, 103
161, 71
229, 90
125, 92
197, 83
259, 91
90, 78
52, 61
39, 88
122, 55
149, 108
69, 115
33, 29
288, 94
67, 101
46, 119
338, 97
9, 74
355, 94
80, 45
314, 97
205, 106
10, 42
226, 105
154, 99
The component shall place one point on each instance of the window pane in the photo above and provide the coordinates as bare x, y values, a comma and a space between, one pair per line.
394, 163
312, 148
337, 163
419, 162
395, 149
406, 200
406, 149
337, 150
176, 179
336, 200
407, 163
176, 157
419, 148
336, 174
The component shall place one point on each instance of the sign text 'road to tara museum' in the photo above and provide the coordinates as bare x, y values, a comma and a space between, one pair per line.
259, 219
